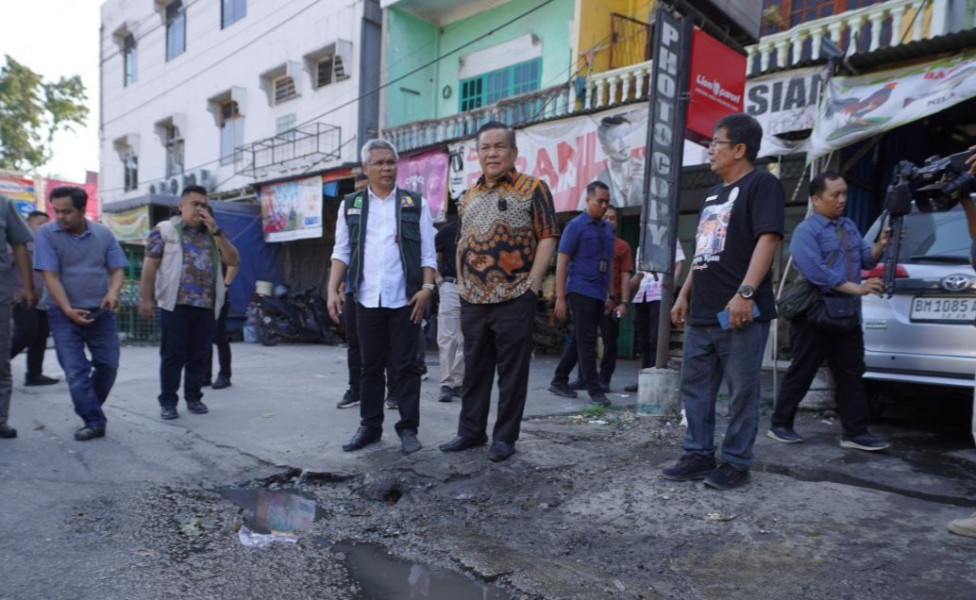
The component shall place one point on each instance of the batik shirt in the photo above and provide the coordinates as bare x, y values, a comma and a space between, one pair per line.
197, 278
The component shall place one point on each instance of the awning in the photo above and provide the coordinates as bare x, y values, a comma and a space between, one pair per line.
140, 201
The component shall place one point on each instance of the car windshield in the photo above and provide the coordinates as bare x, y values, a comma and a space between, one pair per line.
932, 237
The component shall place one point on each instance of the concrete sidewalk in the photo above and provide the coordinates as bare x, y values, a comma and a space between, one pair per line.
281, 407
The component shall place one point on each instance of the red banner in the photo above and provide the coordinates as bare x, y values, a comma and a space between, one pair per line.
92, 209
717, 85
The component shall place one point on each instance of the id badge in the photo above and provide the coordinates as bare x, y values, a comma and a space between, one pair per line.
603, 266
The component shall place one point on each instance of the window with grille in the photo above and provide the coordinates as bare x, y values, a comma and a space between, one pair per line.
130, 172
231, 132
174, 151
232, 11
493, 86
175, 29
329, 70
284, 89
130, 59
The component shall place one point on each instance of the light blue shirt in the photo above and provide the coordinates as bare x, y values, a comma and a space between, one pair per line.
82, 262
816, 239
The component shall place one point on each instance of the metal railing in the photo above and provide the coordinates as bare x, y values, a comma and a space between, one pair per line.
299, 147
867, 29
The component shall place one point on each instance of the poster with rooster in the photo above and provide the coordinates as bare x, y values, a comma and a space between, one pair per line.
855, 108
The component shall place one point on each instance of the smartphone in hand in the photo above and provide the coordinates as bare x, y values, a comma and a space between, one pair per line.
723, 316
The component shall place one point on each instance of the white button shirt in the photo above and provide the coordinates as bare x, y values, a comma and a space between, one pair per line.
383, 282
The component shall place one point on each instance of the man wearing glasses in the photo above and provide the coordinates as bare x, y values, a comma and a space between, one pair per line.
730, 294
385, 239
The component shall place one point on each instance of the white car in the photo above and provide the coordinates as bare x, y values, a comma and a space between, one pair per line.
926, 332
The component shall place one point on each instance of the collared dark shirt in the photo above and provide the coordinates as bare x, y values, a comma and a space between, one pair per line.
588, 243
197, 279
816, 239
501, 226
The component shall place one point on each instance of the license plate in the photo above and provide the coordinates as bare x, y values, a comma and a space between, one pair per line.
943, 308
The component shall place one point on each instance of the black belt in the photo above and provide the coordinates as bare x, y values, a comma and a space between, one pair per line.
449, 279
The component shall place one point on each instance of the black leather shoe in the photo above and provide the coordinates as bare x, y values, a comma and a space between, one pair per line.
562, 389
599, 399
409, 442
576, 384
221, 383
40, 380
7, 432
168, 413
349, 399
446, 395
197, 407
462, 443
89, 432
500, 450
364, 437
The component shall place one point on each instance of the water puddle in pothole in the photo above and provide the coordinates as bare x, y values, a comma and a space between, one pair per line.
272, 515
382, 576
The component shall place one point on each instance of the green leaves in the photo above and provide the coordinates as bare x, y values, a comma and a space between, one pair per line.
32, 111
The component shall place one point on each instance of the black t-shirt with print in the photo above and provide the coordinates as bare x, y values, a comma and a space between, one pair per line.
731, 221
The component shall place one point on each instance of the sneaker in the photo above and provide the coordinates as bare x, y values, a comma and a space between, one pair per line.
783, 434
966, 527
689, 467
392, 404
865, 441
726, 477
348, 400
599, 399
89, 432
446, 395
40, 380
576, 384
562, 389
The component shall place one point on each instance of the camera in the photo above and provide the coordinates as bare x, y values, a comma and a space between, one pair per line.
938, 185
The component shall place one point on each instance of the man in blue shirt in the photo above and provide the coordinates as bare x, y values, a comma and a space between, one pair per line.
583, 282
828, 251
83, 267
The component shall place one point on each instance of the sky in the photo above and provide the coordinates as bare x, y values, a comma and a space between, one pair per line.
58, 38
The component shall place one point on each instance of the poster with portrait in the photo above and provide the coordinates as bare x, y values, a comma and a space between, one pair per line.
426, 174
570, 153
292, 210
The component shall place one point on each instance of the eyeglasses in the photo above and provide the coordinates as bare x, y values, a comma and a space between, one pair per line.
384, 164
715, 143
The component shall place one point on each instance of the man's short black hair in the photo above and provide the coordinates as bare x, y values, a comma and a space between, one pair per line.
593, 186
37, 213
490, 125
819, 183
79, 197
743, 129
193, 189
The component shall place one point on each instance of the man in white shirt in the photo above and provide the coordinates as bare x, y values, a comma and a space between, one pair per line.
385, 239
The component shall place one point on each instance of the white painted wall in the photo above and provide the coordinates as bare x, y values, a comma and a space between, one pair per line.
273, 33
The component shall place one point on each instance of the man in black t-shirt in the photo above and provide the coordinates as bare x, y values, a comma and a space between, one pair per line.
731, 301
450, 342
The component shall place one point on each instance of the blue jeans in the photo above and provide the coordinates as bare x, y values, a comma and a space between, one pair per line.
711, 353
89, 381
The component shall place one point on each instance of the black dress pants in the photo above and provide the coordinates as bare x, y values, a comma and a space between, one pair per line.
30, 331
387, 335
648, 315
353, 358
609, 332
845, 358
587, 315
496, 336
221, 339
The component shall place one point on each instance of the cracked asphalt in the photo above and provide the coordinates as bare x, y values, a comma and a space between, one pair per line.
578, 513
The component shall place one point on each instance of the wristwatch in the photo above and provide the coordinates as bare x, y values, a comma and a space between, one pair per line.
747, 291
428, 286
217, 232
530, 282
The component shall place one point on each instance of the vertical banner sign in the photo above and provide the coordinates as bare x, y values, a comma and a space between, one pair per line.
665, 140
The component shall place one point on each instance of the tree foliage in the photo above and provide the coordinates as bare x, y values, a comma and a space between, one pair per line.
32, 111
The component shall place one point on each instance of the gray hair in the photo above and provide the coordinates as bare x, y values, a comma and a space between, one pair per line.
376, 144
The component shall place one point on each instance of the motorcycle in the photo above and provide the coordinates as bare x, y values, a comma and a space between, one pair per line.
301, 317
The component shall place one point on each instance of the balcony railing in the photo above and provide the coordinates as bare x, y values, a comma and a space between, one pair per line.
600, 90
867, 29
300, 147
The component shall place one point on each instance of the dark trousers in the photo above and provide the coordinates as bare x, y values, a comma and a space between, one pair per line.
845, 358
221, 339
496, 336
648, 316
353, 358
587, 315
609, 332
187, 334
387, 335
30, 331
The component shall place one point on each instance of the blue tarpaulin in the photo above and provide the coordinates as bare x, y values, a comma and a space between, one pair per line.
259, 260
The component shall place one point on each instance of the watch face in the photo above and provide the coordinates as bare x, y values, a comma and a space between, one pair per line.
747, 291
